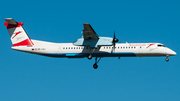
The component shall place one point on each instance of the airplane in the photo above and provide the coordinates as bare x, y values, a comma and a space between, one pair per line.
90, 45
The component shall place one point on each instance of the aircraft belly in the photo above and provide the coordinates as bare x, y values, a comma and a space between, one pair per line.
76, 55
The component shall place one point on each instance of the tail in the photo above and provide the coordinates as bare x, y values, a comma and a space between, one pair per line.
17, 34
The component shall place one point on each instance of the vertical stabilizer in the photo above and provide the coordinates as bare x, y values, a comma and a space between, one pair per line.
17, 34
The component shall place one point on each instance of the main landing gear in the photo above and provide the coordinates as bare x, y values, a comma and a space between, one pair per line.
95, 66
167, 58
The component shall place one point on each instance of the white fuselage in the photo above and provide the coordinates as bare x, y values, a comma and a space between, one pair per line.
90, 45
71, 51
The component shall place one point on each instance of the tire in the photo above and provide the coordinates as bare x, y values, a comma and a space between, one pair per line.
89, 57
95, 66
167, 59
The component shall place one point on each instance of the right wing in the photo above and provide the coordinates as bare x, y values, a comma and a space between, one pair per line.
88, 32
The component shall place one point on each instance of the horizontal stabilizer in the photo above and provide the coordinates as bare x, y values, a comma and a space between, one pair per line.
10, 21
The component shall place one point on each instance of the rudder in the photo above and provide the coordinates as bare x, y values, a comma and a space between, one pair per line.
17, 34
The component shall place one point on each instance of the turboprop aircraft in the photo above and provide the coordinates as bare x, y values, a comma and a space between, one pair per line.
90, 45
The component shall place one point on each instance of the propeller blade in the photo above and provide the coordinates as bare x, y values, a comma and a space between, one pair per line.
114, 38
114, 44
114, 41
113, 48
114, 35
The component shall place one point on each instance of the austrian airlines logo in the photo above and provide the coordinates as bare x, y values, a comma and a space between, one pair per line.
150, 45
17, 33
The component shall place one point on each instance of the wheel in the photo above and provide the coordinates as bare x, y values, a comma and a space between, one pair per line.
89, 57
95, 66
167, 59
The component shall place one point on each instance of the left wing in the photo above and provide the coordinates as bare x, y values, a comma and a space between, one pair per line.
88, 32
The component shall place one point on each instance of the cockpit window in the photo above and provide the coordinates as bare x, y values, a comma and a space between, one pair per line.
160, 45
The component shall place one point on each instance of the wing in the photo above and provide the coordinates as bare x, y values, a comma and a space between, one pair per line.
88, 32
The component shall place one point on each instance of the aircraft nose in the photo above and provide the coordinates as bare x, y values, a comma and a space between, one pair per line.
170, 52
174, 53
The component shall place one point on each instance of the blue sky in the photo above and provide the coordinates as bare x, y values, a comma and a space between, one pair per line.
28, 77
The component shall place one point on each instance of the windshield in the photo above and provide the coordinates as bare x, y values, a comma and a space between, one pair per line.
161, 45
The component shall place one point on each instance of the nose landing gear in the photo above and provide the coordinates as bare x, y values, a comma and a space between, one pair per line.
95, 66
167, 58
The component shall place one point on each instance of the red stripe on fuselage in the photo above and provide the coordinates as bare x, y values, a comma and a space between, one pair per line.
26, 42
150, 45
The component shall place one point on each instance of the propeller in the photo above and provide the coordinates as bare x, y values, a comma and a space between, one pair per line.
114, 38
114, 41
